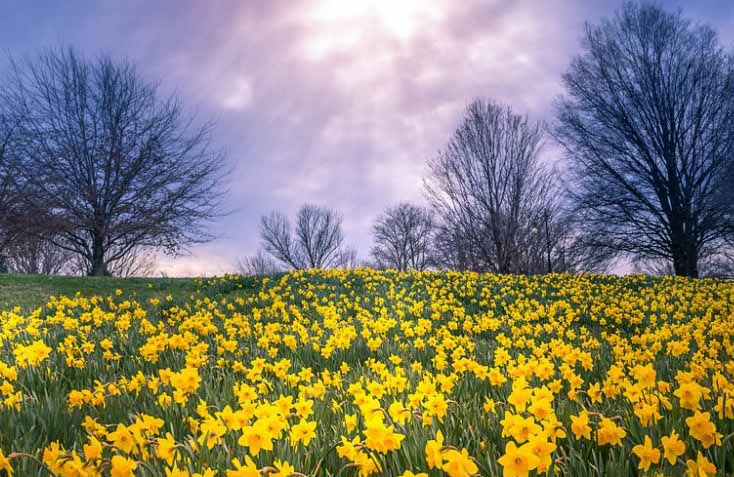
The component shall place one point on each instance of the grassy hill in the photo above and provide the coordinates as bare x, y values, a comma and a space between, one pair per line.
31, 291
334, 372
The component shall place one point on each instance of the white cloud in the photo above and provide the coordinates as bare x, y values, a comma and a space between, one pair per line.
197, 264
236, 93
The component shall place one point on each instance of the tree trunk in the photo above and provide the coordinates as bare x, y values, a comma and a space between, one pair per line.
98, 268
685, 260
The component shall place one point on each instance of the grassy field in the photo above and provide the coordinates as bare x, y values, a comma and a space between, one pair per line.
31, 291
365, 373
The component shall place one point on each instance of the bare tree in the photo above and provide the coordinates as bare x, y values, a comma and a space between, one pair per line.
552, 242
346, 258
402, 236
258, 264
115, 166
9, 194
4, 196
490, 191
5, 172
718, 265
138, 262
648, 127
33, 255
14, 212
451, 249
316, 242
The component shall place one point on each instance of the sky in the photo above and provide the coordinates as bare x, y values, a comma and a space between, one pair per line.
336, 103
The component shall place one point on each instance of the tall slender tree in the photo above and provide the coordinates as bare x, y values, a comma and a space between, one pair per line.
490, 192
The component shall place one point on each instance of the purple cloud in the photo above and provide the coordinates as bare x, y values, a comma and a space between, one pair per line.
333, 102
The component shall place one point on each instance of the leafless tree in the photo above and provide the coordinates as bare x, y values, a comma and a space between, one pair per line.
316, 242
33, 255
552, 243
115, 166
138, 262
8, 189
13, 212
648, 127
451, 249
492, 195
346, 258
402, 236
5, 172
259, 264
718, 265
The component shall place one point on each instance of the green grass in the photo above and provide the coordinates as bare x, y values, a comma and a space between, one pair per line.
32, 291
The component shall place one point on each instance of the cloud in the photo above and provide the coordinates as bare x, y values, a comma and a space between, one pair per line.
191, 265
237, 93
327, 101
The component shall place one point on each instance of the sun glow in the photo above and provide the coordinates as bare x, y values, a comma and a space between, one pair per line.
342, 25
